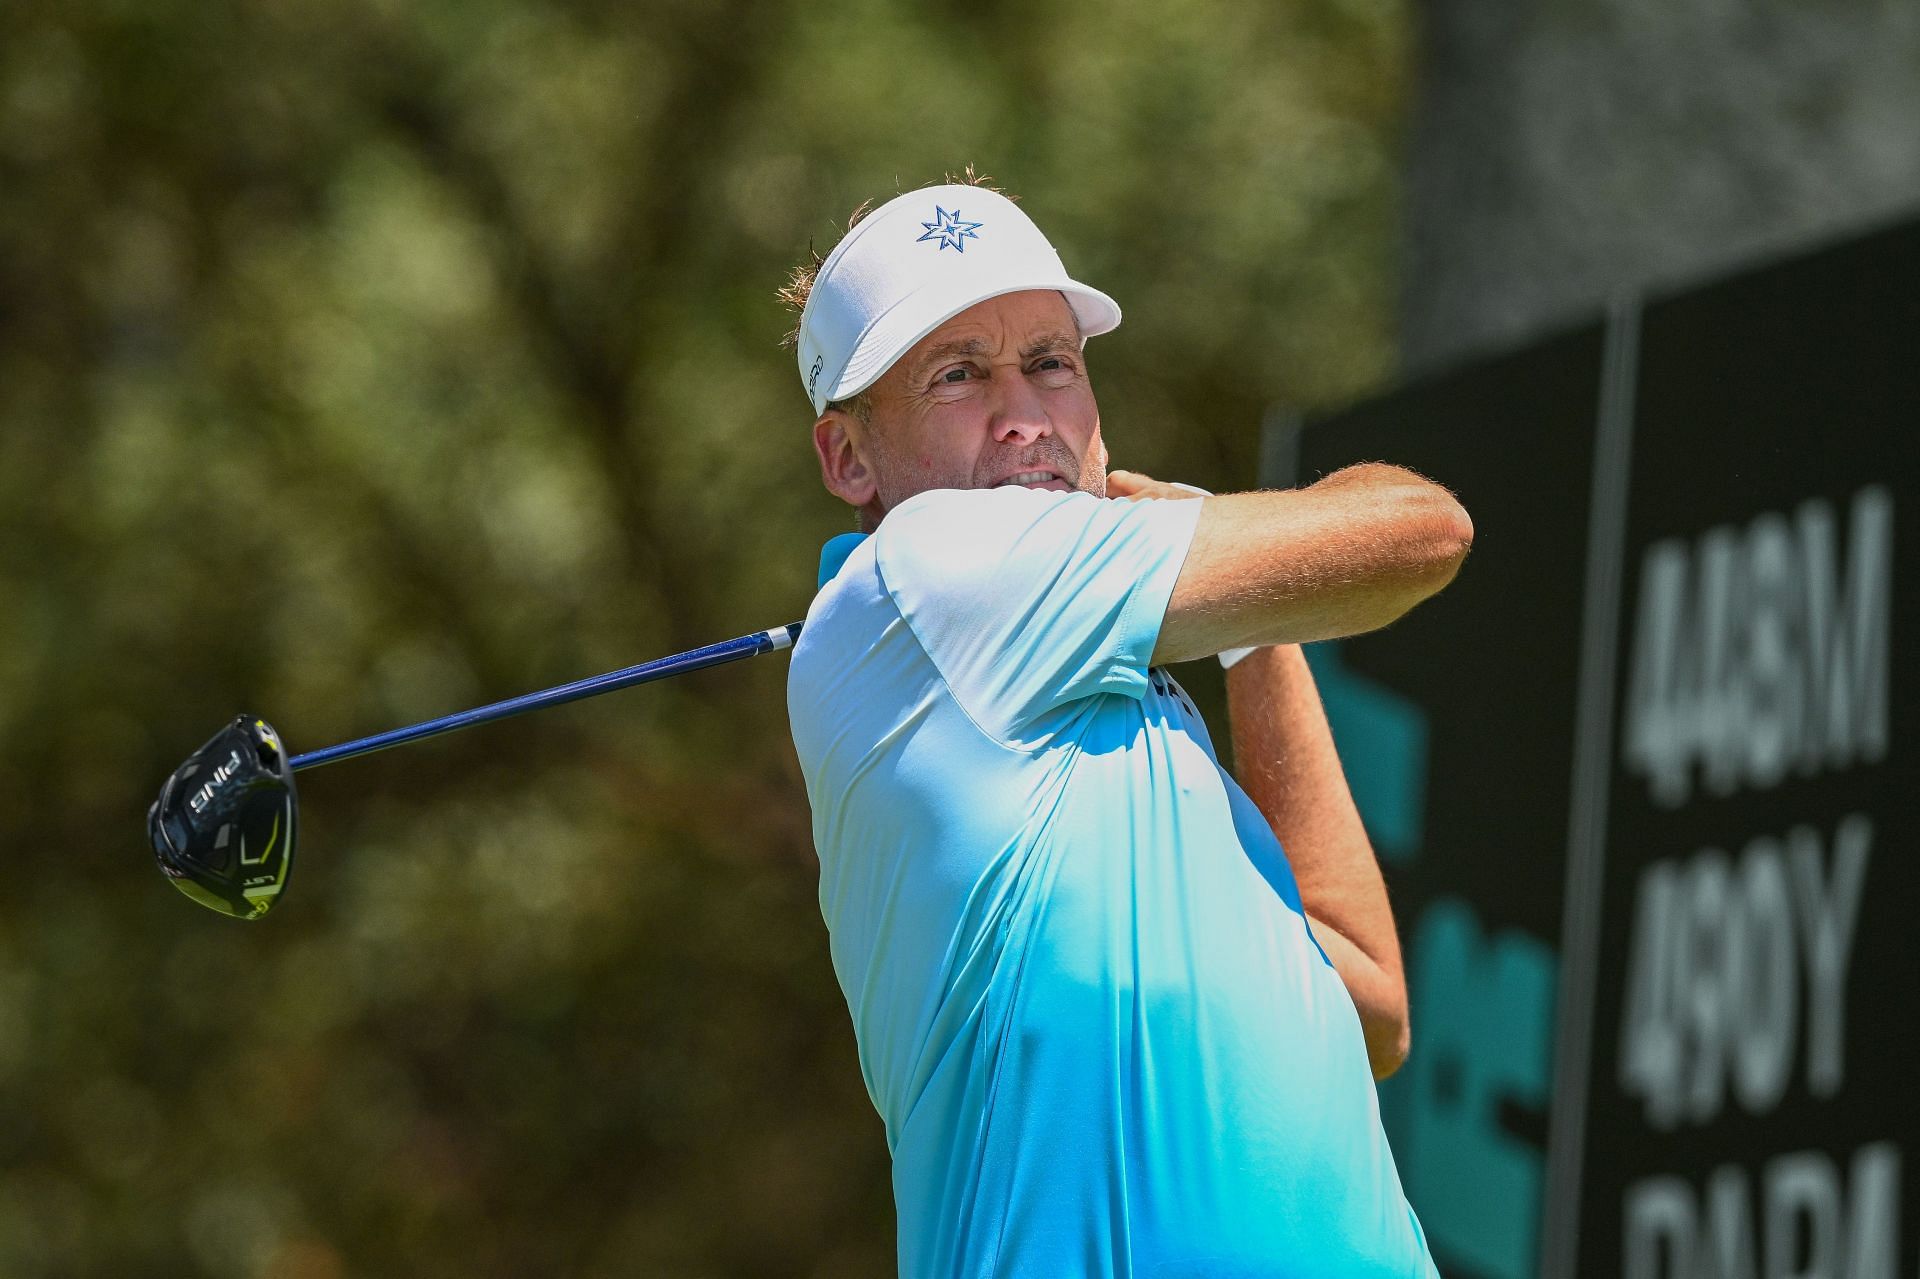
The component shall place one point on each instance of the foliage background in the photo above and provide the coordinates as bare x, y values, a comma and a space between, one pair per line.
362, 360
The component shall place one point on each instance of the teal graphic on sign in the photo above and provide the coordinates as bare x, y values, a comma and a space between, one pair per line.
1382, 738
1481, 1005
1482, 1010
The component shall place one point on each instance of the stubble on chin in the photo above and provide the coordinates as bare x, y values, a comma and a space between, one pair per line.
1093, 478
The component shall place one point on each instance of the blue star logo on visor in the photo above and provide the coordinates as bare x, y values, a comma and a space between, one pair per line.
949, 230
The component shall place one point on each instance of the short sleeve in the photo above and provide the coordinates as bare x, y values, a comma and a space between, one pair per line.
1026, 600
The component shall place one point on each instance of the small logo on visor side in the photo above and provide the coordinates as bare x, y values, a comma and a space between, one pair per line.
949, 230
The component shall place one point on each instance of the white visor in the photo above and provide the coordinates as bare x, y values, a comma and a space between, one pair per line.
913, 264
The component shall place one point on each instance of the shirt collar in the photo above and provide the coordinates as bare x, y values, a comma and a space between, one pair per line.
835, 553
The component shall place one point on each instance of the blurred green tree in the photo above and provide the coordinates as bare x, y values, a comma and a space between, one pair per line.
363, 360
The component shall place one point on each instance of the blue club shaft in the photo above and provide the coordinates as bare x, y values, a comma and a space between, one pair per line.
661, 668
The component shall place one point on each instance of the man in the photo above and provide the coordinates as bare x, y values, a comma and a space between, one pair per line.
1113, 1027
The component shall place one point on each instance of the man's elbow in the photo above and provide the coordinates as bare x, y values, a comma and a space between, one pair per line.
1384, 1020
1446, 537
1388, 1043
1422, 512
1438, 535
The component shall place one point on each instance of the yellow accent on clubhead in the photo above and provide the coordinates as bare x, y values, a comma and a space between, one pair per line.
265, 852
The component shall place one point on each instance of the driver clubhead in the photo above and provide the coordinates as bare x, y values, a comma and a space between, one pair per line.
223, 827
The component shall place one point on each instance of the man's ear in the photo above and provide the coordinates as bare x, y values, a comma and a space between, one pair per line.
843, 466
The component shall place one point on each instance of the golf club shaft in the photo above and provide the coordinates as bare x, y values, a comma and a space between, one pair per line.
662, 668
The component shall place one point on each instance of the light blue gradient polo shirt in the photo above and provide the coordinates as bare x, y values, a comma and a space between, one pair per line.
1088, 1006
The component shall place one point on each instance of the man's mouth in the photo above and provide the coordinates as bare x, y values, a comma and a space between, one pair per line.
1043, 479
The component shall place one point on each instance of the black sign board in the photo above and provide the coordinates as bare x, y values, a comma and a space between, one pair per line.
1645, 783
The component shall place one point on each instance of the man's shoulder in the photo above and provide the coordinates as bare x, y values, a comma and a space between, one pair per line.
939, 554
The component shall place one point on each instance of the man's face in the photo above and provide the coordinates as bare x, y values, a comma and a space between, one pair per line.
998, 394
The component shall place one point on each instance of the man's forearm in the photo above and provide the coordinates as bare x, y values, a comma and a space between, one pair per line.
1346, 555
1284, 755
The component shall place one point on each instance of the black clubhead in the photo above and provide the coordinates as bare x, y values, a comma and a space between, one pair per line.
223, 827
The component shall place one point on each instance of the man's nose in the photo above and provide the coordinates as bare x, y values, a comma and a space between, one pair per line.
1021, 415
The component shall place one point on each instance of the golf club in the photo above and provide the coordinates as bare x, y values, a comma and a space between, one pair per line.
223, 826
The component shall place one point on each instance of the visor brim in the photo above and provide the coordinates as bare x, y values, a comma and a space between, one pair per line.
916, 316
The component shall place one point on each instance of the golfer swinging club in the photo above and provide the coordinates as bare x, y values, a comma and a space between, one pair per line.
1117, 1011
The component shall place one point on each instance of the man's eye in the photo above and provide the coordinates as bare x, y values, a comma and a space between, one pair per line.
954, 375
